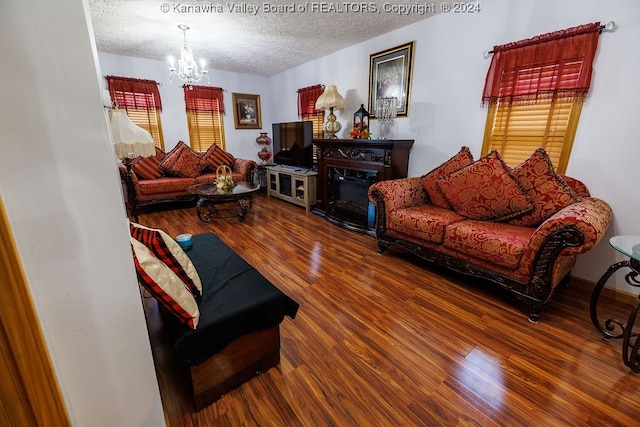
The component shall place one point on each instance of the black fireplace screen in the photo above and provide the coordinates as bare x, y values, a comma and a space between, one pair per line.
348, 190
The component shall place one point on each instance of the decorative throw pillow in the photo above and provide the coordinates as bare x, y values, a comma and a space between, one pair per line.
216, 156
183, 161
170, 252
148, 167
460, 160
548, 191
164, 285
485, 190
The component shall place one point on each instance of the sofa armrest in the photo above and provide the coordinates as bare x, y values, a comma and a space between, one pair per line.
246, 168
123, 174
387, 196
134, 181
398, 193
580, 227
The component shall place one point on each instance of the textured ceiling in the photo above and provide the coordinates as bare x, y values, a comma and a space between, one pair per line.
249, 38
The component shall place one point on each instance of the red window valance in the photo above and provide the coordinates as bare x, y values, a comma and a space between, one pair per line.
307, 97
557, 64
134, 93
203, 98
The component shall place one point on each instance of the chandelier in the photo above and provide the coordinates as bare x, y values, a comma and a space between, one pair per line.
187, 68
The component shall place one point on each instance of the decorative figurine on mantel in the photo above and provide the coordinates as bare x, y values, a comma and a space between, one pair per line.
360, 124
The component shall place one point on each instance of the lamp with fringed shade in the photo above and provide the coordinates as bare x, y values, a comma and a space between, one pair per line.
130, 141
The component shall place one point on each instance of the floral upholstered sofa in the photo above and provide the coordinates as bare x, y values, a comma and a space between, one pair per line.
521, 228
166, 176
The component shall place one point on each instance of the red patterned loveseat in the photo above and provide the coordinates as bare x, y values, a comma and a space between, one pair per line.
521, 228
166, 176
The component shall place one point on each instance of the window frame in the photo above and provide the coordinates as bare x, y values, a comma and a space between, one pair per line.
535, 89
141, 101
307, 97
211, 113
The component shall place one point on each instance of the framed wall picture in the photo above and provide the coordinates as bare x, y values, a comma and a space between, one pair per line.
390, 77
246, 111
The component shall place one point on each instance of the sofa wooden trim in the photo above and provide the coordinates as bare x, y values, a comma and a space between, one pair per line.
534, 293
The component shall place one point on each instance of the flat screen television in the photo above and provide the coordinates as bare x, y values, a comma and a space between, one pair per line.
293, 144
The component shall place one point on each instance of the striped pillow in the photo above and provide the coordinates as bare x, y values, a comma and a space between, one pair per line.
216, 156
168, 250
164, 285
148, 167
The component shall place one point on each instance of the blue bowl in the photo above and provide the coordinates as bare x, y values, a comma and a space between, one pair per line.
184, 240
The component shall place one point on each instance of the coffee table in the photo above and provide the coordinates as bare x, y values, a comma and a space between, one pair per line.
209, 195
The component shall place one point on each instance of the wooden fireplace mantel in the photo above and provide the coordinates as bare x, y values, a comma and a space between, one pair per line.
379, 159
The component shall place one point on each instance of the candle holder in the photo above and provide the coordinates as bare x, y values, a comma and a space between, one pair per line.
386, 111
360, 124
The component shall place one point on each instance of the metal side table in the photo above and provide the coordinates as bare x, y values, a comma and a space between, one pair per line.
615, 328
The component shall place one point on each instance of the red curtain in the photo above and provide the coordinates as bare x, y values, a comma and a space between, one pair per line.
557, 64
135, 93
307, 97
203, 98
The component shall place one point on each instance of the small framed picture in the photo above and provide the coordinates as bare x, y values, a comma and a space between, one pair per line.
390, 77
246, 111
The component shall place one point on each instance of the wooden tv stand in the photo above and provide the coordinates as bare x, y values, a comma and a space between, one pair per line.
293, 184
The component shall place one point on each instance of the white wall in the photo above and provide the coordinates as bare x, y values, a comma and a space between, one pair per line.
239, 142
60, 187
448, 78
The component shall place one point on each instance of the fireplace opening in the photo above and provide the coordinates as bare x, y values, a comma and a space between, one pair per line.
348, 189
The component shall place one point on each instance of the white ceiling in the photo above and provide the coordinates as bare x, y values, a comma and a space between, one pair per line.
262, 43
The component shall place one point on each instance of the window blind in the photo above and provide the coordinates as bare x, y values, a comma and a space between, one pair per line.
141, 100
205, 107
516, 131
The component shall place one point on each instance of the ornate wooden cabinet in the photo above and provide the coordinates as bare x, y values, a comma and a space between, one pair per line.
346, 169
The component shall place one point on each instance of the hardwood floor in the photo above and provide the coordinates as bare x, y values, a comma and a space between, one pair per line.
391, 340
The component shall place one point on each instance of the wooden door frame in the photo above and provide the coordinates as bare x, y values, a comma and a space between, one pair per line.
29, 389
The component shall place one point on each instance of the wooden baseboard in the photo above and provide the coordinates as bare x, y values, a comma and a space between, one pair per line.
615, 294
243, 359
